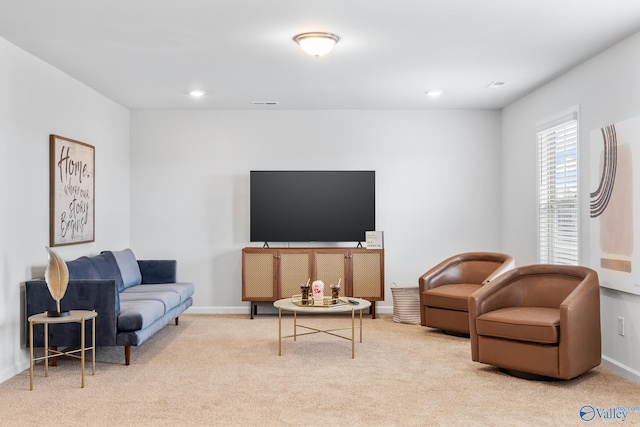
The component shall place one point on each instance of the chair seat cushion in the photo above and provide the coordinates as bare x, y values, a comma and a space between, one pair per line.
452, 297
534, 324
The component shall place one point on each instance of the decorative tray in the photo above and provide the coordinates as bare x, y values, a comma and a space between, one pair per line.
326, 302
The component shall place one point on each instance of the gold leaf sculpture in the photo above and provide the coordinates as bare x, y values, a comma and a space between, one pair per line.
57, 277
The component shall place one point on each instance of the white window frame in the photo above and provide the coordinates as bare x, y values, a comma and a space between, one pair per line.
558, 197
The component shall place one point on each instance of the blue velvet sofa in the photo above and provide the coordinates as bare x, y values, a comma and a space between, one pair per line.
134, 299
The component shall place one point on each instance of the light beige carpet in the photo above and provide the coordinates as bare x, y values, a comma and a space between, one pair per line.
225, 371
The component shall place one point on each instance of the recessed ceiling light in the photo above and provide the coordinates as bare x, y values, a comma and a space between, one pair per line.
197, 93
434, 93
264, 102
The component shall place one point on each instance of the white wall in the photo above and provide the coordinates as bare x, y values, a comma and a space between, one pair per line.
37, 100
437, 178
448, 181
607, 89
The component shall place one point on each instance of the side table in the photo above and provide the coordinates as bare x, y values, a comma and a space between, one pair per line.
75, 316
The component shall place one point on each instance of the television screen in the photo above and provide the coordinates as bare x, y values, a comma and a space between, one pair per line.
311, 206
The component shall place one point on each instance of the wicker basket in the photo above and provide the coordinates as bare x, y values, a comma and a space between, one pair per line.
406, 305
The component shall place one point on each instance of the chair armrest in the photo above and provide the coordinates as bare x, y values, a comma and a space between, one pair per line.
435, 277
158, 271
509, 264
497, 294
581, 345
98, 295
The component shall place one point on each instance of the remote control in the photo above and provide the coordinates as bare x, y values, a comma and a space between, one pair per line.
354, 302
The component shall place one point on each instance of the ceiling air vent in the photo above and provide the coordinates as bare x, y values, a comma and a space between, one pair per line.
495, 85
264, 102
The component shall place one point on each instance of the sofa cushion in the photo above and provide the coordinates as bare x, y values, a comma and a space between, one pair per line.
138, 314
128, 266
103, 266
183, 290
169, 298
452, 296
82, 268
535, 324
143, 304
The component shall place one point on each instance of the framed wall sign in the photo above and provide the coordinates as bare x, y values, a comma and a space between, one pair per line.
71, 191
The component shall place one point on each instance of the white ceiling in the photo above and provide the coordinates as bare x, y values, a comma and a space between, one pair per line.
147, 54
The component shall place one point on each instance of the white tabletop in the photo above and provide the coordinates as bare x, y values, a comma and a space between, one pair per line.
288, 305
74, 316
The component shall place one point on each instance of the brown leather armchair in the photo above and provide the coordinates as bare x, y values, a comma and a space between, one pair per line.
538, 319
445, 289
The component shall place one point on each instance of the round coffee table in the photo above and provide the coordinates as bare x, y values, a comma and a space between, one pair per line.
346, 305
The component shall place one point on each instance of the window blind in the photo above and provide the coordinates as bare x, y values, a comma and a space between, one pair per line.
558, 193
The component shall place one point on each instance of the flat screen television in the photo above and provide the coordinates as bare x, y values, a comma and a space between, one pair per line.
312, 206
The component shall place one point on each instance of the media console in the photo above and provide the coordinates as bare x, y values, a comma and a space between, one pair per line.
270, 274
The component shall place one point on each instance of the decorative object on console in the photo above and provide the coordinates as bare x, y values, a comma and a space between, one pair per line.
374, 240
57, 277
318, 292
72, 191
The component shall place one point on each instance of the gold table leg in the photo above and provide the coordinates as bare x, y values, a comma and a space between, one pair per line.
82, 350
295, 326
353, 346
279, 331
31, 355
46, 349
93, 344
361, 326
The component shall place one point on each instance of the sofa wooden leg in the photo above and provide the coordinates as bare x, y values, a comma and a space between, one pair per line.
177, 320
127, 354
54, 359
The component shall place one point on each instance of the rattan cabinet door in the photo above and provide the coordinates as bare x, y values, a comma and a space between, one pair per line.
295, 268
258, 275
331, 267
367, 274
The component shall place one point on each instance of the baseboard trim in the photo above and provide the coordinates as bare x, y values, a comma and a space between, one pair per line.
217, 310
621, 370
14, 370
263, 307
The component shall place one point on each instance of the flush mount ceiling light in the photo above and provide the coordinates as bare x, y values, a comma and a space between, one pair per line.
197, 93
316, 43
434, 93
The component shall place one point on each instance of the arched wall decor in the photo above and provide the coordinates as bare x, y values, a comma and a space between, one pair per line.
613, 223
